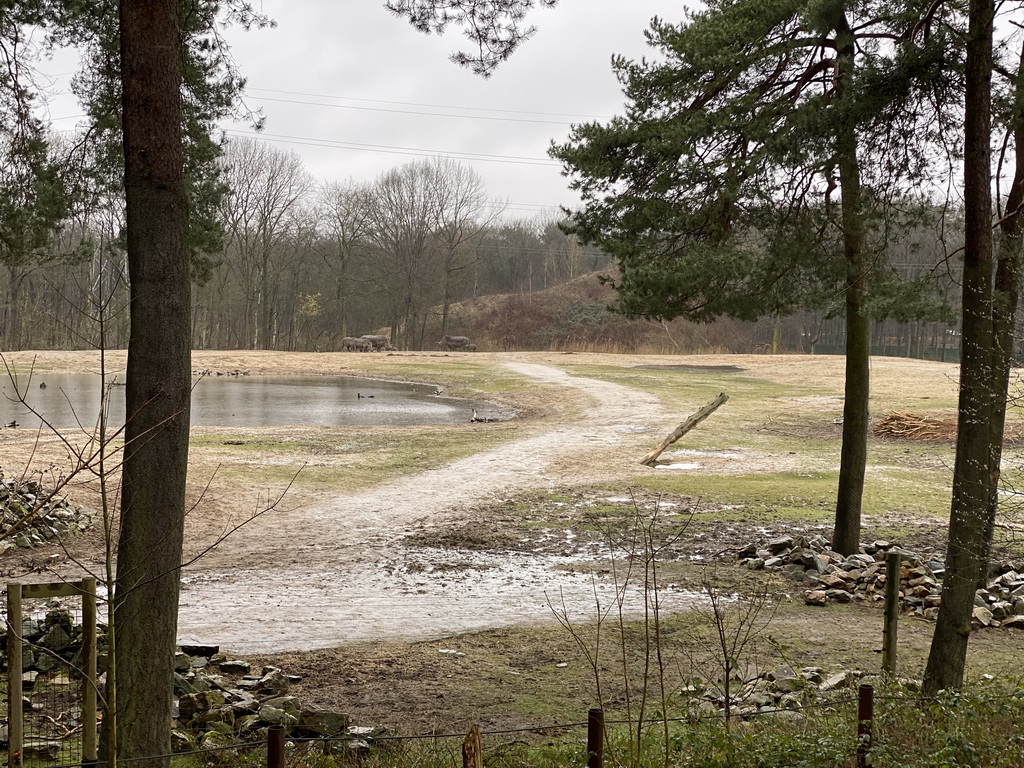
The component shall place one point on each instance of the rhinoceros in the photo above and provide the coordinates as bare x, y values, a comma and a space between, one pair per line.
378, 342
454, 342
352, 344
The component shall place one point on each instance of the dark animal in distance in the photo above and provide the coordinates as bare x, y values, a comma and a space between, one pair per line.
456, 342
352, 344
379, 342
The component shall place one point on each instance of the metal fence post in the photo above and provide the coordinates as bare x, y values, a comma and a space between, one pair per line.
275, 746
892, 611
595, 738
89, 752
865, 715
15, 727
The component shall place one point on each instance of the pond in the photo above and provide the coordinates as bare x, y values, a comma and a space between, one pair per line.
69, 400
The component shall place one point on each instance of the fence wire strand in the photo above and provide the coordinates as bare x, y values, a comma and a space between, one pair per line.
1016, 696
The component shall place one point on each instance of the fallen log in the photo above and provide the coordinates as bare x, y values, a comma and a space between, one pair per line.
685, 427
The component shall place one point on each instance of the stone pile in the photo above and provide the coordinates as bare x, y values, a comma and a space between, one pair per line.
223, 701
832, 577
777, 693
30, 515
48, 640
220, 701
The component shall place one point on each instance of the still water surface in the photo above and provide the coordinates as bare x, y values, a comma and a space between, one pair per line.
69, 400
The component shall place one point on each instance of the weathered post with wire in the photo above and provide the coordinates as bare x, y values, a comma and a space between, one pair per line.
892, 611
595, 738
472, 749
275, 746
865, 714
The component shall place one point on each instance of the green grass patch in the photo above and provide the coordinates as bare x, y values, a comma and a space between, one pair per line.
350, 458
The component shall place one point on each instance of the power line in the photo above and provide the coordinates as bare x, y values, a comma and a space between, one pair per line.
412, 112
391, 149
431, 106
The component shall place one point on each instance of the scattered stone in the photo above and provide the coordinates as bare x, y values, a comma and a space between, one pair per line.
41, 750
840, 680
323, 722
982, 616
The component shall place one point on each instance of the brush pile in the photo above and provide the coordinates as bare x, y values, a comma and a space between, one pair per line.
903, 425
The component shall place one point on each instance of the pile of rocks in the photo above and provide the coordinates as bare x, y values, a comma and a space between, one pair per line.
223, 701
220, 701
832, 577
776, 693
31, 515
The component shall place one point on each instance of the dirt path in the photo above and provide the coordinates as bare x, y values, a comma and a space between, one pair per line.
338, 572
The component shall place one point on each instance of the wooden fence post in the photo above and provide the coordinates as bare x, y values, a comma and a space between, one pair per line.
892, 611
472, 749
595, 738
865, 716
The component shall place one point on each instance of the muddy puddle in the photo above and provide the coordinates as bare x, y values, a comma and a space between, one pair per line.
414, 594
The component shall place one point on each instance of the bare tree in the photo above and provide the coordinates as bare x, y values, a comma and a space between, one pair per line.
464, 214
267, 189
344, 213
403, 217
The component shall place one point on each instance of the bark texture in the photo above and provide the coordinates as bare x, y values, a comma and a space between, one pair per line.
854, 455
974, 474
157, 380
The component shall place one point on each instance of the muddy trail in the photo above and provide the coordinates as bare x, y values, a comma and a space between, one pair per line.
342, 570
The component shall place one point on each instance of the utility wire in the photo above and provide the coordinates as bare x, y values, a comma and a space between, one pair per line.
392, 149
412, 112
431, 106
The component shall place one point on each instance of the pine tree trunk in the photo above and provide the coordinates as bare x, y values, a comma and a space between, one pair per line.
1004, 312
853, 459
157, 380
973, 480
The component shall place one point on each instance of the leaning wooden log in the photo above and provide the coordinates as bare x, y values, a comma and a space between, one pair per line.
685, 427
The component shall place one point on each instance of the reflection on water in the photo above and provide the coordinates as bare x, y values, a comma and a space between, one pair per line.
69, 400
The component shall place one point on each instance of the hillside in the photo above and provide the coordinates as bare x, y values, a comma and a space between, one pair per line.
575, 316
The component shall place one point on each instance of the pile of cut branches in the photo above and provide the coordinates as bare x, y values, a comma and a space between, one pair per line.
903, 425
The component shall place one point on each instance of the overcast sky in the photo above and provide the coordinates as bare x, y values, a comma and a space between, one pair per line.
355, 91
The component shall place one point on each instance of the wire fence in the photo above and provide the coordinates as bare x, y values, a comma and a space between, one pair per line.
278, 739
51, 663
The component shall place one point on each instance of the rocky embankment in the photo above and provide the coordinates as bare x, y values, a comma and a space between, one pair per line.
831, 577
31, 515
220, 700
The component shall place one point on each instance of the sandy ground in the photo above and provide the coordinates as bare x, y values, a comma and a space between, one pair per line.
334, 569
